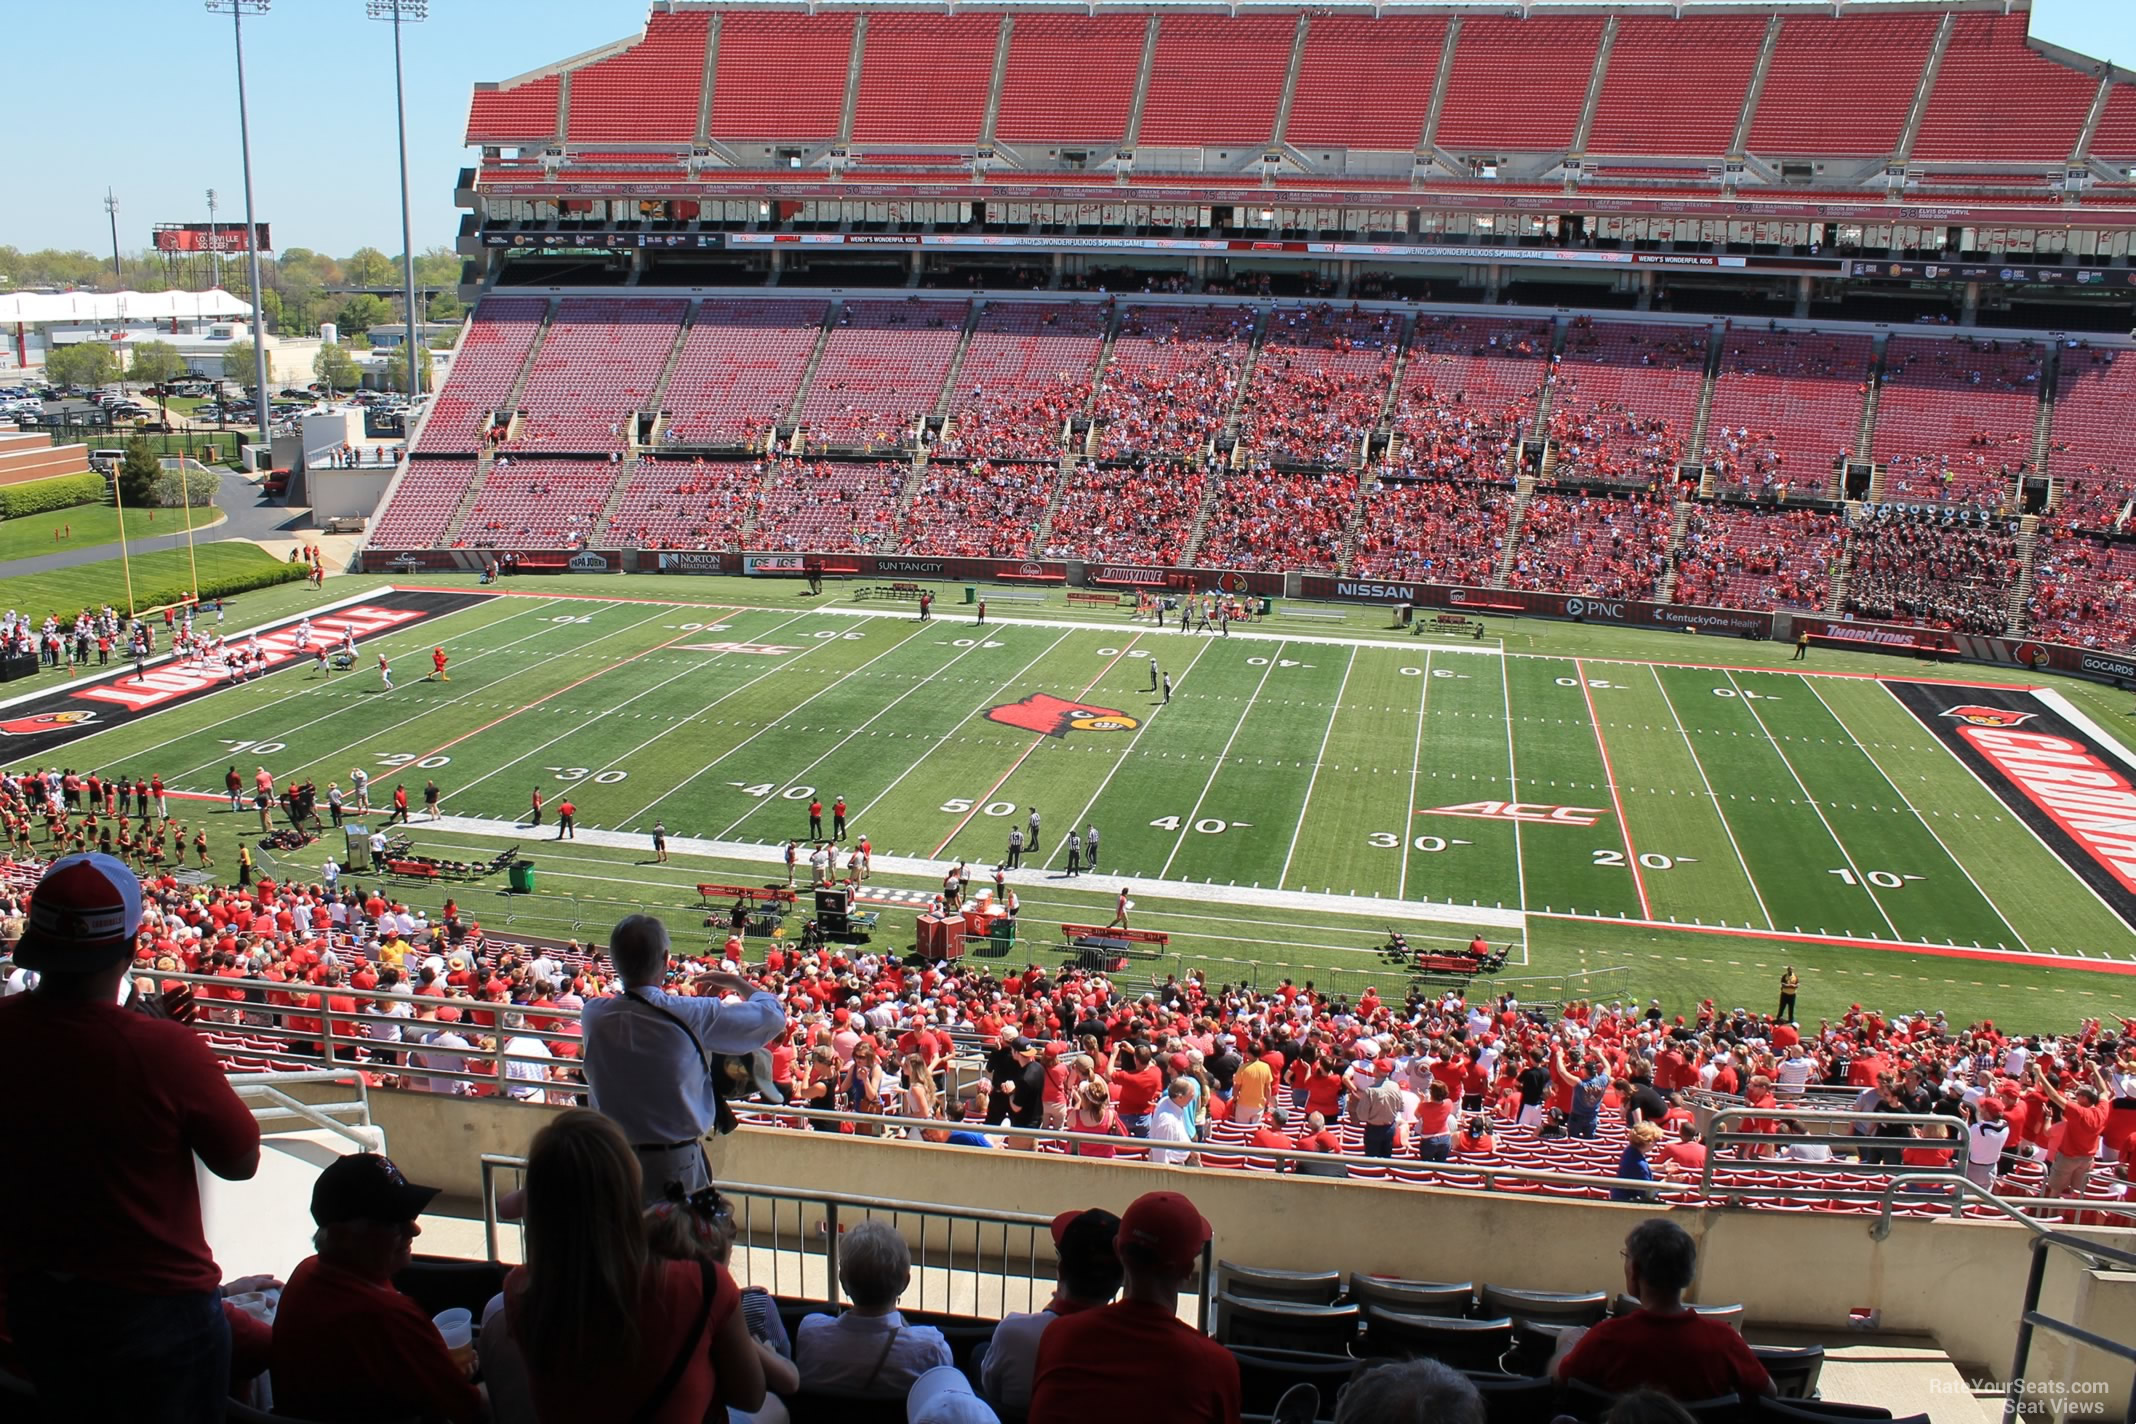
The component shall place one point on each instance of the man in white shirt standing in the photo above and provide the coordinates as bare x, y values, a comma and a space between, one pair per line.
442, 1051
1984, 1143
526, 1061
648, 1053
1169, 1124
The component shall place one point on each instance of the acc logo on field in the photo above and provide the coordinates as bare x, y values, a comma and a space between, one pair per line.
44, 722
1048, 715
1527, 812
1988, 716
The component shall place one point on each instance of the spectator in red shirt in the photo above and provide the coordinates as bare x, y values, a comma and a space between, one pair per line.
347, 1345
1138, 1349
112, 1296
1663, 1345
2083, 1120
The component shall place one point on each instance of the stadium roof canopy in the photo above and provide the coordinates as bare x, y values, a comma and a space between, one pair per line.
36, 307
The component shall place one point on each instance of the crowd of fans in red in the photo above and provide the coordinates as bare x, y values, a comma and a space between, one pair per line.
1486, 1080
1273, 519
1607, 545
2084, 591
1319, 384
1625, 399
1736, 556
1446, 531
1141, 514
1171, 380
986, 509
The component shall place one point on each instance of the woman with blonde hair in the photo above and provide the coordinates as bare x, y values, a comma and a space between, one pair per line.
918, 1097
864, 1085
820, 1088
670, 1333
1633, 1166
1093, 1112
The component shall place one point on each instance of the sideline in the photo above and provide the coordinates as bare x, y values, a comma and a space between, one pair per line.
775, 855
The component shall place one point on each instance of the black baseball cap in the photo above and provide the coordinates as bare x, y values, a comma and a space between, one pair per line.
366, 1187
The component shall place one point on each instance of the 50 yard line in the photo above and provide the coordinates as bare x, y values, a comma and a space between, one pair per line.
1707, 782
1083, 818
1319, 757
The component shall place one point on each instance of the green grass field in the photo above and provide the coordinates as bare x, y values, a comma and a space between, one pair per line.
1292, 765
66, 591
88, 525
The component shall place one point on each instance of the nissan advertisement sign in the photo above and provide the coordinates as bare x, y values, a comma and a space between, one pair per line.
1731, 622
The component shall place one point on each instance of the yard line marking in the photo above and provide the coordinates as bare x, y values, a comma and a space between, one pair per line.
1186, 827
635, 697
1624, 827
958, 829
1416, 764
915, 867
1909, 805
1083, 818
1000, 690
264, 708
1749, 706
880, 712
2078, 719
680, 722
559, 692
428, 708
1283, 877
1520, 864
913, 632
1707, 782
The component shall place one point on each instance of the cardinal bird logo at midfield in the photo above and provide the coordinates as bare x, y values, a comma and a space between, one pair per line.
1048, 715
44, 722
1988, 716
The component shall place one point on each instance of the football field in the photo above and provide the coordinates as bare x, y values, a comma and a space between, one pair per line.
1444, 788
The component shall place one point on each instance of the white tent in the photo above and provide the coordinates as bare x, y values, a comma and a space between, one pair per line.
34, 308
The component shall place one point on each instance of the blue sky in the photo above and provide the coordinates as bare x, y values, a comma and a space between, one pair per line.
139, 95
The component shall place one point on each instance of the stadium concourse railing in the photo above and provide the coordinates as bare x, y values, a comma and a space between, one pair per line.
255, 1038
966, 1260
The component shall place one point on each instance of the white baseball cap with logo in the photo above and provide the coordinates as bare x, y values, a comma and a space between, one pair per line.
84, 916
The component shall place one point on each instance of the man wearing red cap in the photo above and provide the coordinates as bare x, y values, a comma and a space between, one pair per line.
113, 1299
347, 1345
1137, 1349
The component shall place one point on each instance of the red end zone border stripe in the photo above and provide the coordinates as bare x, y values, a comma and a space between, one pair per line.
2054, 777
1889, 946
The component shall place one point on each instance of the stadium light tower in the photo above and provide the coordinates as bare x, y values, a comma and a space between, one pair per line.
404, 12
237, 10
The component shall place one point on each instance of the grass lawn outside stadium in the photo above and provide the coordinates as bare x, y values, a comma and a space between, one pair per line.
1688, 811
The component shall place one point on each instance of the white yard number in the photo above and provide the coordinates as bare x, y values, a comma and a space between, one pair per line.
428, 763
1575, 682
829, 633
1208, 825
1388, 840
958, 805
581, 773
798, 793
1746, 694
1881, 879
1166, 823
1650, 860
241, 748
571, 618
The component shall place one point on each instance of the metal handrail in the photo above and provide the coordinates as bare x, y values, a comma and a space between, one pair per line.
268, 1086
832, 1204
2030, 1318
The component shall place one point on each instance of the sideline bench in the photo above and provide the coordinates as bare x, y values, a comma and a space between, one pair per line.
1317, 615
1108, 948
1013, 595
907, 592
542, 563
768, 895
1090, 599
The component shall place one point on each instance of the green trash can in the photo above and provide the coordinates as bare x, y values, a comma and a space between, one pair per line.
520, 876
1001, 937
1268, 606
971, 593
